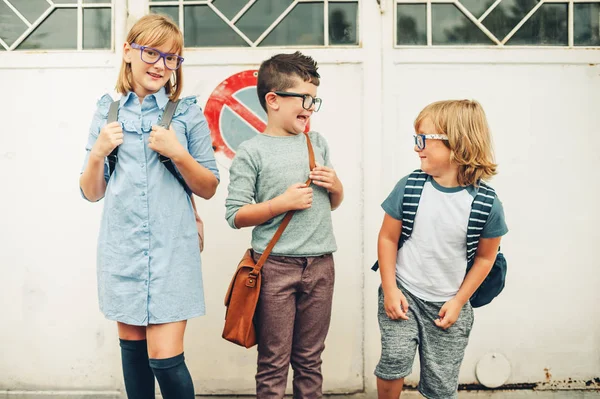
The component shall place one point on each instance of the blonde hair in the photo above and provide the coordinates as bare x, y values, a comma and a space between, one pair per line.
469, 139
154, 30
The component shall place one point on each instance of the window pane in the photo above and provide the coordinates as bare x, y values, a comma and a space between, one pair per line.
96, 28
30, 9
97, 1
65, 1
302, 26
229, 8
411, 24
261, 15
477, 7
58, 31
507, 15
172, 12
452, 27
11, 27
204, 28
586, 19
343, 23
547, 27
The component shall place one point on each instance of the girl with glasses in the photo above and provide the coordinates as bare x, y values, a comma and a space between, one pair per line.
149, 274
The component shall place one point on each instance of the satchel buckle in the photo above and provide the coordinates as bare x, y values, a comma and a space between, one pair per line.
251, 281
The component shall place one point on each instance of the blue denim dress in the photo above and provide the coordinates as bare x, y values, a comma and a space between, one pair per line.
149, 268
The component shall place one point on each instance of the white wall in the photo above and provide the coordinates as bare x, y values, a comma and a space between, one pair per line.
546, 137
48, 259
542, 107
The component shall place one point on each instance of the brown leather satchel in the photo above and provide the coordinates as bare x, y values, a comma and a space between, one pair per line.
244, 289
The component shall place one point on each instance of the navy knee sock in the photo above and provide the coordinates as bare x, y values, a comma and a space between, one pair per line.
139, 379
173, 377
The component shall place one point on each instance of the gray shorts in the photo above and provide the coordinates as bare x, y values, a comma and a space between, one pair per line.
440, 351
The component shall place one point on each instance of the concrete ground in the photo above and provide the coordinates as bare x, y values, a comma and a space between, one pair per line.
503, 394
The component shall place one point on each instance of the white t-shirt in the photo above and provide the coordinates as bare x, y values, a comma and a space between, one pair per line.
432, 262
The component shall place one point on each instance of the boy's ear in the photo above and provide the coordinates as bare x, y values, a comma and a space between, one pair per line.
272, 101
127, 52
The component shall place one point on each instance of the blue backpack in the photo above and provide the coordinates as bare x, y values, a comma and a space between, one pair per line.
480, 211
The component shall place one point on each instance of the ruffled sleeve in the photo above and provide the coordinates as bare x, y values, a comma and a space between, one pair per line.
198, 133
98, 121
184, 105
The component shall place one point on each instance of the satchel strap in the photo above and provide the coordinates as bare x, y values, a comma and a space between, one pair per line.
286, 219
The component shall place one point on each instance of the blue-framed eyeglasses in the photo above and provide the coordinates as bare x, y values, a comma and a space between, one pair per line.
421, 138
151, 56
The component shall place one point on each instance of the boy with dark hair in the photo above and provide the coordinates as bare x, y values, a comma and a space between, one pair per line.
267, 179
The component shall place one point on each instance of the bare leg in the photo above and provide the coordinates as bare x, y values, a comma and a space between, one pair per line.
131, 333
165, 340
389, 389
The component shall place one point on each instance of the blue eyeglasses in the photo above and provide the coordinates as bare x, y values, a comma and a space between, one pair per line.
151, 56
421, 138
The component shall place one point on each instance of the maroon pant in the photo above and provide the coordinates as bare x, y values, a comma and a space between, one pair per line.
292, 320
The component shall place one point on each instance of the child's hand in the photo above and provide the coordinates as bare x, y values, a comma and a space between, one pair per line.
325, 177
111, 135
297, 197
448, 314
165, 142
395, 304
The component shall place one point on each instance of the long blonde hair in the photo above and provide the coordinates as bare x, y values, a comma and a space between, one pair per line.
469, 139
154, 30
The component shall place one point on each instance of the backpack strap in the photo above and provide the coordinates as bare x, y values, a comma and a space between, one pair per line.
164, 122
410, 203
480, 212
113, 112
168, 113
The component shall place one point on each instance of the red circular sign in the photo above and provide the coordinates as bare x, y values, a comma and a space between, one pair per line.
234, 113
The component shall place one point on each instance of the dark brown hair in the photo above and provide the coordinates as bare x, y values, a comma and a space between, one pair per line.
279, 73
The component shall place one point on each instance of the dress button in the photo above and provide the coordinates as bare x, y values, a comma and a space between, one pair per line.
146, 253
141, 137
143, 194
144, 225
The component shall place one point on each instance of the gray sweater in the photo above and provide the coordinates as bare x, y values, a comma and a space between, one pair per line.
263, 168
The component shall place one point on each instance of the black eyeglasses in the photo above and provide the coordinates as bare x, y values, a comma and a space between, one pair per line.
151, 56
308, 101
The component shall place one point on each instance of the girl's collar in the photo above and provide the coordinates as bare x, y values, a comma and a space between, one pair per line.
160, 97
